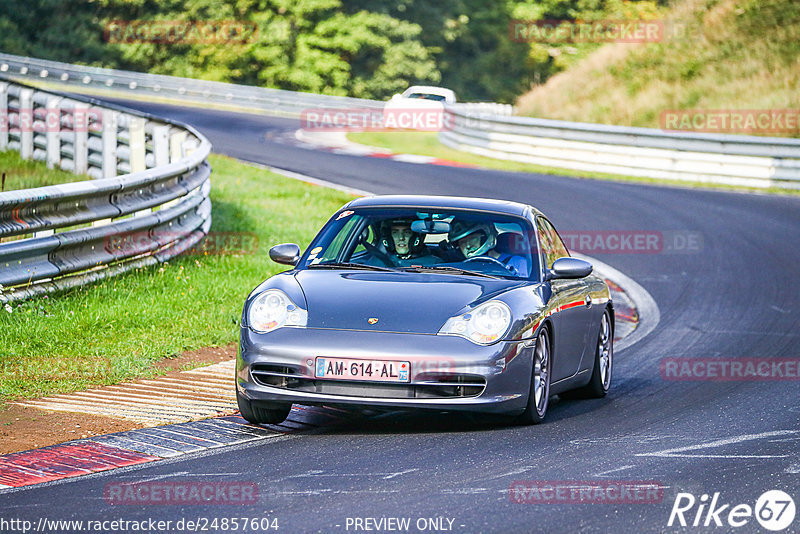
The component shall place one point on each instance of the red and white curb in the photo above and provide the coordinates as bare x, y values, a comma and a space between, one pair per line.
144, 445
65, 460
123, 449
634, 307
337, 143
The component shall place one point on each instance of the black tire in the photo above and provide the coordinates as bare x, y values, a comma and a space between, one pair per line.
260, 415
542, 364
603, 358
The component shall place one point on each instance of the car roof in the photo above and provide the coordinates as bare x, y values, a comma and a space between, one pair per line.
432, 89
443, 202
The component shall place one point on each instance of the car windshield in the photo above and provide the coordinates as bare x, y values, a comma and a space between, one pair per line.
423, 240
428, 96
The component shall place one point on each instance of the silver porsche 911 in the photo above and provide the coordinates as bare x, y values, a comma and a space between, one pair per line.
442, 303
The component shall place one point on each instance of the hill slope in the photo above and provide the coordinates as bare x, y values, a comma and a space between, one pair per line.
733, 55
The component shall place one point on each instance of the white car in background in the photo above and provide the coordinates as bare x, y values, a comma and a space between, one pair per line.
420, 107
426, 92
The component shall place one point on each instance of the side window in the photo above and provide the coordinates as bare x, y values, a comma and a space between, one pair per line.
552, 246
545, 244
342, 238
368, 235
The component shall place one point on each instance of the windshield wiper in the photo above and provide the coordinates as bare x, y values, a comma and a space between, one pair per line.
349, 265
446, 269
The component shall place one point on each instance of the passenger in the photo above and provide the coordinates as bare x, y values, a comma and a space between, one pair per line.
479, 239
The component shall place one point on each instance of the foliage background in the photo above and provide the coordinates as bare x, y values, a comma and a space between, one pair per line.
361, 48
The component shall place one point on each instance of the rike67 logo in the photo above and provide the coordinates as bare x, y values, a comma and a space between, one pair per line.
774, 510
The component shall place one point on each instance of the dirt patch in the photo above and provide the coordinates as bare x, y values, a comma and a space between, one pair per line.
23, 428
198, 358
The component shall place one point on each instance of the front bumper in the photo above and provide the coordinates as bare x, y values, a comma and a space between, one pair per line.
504, 370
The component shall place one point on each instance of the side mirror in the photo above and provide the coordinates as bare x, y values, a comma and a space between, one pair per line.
569, 268
287, 254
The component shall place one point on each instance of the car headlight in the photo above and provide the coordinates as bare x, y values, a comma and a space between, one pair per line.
484, 325
273, 309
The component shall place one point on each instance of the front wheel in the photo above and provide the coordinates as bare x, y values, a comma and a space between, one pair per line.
259, 414
539, 394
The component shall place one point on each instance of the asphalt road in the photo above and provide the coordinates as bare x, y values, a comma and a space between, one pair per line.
735, 295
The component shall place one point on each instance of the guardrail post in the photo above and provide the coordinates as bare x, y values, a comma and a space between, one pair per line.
160, 150
161, 145
52, 122
110, 127
137, 144
80, 116
176, 141
189, 146
3, 116
26, 123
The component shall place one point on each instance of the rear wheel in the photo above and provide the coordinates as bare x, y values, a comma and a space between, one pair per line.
270, 413
603, 363
539, 394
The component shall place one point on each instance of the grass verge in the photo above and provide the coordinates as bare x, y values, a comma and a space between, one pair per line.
427, 144
23, 174
115, 330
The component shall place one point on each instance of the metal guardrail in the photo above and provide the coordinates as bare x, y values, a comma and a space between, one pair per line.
60, 236
189, 90
725, 159
486, 108
486, 129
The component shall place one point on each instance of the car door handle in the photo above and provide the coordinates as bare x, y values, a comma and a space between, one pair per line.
588, 301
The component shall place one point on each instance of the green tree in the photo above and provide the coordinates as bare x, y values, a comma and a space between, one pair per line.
305, 45
61, 30
470, 43
312, 46
363, 48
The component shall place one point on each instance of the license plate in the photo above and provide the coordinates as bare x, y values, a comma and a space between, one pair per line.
351, 369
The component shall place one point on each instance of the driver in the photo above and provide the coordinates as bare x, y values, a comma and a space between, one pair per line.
478, 239
407, 247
